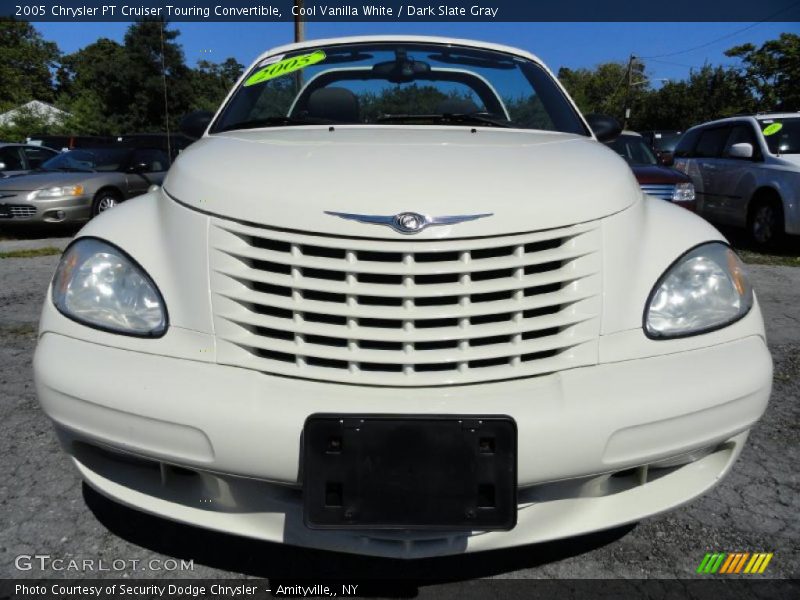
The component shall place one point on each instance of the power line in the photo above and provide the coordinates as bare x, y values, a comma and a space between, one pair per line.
724, 37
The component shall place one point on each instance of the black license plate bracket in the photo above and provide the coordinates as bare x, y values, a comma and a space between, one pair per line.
449, 472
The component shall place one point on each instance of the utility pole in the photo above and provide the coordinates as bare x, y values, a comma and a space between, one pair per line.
628, 92
299, 24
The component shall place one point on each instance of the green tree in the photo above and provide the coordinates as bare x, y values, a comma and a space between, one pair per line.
604, 89
709, 93
94, 85
772, 71
155, 61
114, 88
26, 61
29, 122
212, 81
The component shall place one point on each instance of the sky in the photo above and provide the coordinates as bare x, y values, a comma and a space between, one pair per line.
675, 48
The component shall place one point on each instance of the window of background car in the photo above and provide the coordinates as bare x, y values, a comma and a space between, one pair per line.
785, 139
393, 83
665, 142
711, 142
9, 155
685, 147
742, 133
634, 150
36, 156
154, 160
96, 159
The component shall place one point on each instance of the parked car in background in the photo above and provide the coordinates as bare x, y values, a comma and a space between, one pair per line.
375, 308
746, 171
18, 159
663, 143
654, 178
75, 186
173, 143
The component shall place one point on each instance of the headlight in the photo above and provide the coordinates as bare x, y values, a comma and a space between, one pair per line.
99, 285
57, 192
684, 192
705, 289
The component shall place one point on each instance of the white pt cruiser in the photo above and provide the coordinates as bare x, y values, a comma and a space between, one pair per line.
399, 301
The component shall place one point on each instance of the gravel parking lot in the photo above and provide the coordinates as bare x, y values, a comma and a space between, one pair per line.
46, 510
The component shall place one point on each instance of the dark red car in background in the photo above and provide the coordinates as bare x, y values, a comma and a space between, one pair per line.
655, 178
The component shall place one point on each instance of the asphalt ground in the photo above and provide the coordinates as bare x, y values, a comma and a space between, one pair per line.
45, 509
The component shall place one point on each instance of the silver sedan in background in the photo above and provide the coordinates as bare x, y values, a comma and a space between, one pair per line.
75, 186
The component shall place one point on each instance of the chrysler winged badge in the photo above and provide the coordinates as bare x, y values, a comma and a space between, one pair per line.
408, 222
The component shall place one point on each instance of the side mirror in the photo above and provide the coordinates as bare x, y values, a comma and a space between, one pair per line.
666, 158
195, 124
742, 150
605, 128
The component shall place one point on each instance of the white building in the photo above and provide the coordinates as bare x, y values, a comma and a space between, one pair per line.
48, 112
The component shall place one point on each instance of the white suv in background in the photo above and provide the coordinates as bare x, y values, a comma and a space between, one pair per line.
746, 173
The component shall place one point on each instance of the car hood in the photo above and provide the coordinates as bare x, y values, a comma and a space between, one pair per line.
288, 178
658, 174
41, 180
791, 161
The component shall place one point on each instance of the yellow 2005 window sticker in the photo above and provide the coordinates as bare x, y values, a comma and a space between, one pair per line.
772, 129
284, 67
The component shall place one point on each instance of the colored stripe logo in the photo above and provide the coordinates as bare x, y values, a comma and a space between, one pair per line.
732, 563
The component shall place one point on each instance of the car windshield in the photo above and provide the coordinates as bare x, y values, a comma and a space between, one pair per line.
782, 135
96, 159
666, 142
633, 149
399, 83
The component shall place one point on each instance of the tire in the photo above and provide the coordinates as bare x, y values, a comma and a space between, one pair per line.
105, 200
766, 224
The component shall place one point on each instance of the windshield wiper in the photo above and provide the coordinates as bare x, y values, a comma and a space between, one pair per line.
455, 118
73, 170
267, 122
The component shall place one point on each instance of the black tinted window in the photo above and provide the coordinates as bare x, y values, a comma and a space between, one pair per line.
36, 156
10, 156
89, 159
711, 142
154, 160
685, 147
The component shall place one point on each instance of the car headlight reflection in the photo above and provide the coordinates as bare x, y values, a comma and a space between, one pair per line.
706, 289
97, 284
57, 192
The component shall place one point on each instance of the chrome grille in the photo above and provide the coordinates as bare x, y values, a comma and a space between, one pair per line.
20, 211
407, 313
664, 191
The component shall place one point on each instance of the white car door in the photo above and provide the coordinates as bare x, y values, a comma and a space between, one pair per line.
735, 177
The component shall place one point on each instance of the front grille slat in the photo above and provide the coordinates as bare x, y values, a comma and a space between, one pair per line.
21, 211
289, 260
309, 349
368, 309
405, 312
433, 290
301, 326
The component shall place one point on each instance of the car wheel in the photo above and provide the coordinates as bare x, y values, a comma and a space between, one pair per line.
766, 224
105, 200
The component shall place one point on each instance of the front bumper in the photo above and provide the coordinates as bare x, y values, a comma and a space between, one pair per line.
235, 434
69, 209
